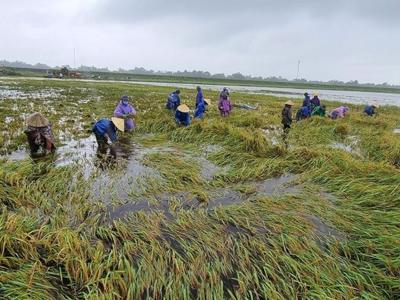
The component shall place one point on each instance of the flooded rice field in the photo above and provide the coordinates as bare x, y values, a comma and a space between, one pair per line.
224, 208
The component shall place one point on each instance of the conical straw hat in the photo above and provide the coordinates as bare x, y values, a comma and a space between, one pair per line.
289, 103
183, 108
208, 101
119, 123
37, 120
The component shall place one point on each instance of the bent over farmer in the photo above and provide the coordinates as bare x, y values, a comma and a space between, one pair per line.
173, 100
39, 134
201, 109
182, 116
370, 109
126, 111
105, 131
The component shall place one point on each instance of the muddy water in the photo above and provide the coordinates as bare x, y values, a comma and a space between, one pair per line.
351, 145
322, 230
354, 97
278, 186
73, 150
218, 197
7, 92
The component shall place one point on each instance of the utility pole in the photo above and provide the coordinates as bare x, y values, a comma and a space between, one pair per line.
298, 69
74, 59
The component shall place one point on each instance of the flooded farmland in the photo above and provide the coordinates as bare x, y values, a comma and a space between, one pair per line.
226, 204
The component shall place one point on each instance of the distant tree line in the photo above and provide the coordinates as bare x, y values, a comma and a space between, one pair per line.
194, 73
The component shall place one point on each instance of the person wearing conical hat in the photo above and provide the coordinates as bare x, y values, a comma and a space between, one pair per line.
370, 109
39, 134
126, 111
105, 131
287, 115
182, 116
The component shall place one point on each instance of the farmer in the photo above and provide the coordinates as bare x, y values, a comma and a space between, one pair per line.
201, 109
315, 101
105, 131
307, 100
339, 112
224, 105
369, 110
125, 111
303, 113
319, 111
182, 115
287, 115
199, 96
39, 134
173, 100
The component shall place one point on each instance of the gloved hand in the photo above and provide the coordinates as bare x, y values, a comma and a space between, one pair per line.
109, 142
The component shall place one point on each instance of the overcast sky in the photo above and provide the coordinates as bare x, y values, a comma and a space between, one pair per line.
341, 39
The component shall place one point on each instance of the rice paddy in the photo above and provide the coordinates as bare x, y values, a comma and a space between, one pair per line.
223, 209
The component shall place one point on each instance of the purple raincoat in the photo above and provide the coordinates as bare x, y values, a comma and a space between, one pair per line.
339, 112
224, 106
315, 101
123, 109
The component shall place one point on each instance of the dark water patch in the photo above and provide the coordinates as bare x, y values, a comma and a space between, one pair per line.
322, 230
223, 197
278, 186
235, 230
170, 241
208, 169
131, 207
117, 184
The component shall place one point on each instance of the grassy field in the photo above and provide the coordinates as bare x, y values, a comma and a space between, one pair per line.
213, 81
222, 209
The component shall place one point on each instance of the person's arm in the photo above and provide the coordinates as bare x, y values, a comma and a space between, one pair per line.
118, 112
133, 111
107, 139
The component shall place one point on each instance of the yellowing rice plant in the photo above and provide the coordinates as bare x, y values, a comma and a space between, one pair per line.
223, 209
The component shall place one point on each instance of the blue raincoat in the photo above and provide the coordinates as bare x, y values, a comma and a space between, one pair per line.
307, 100
173, 101
104, 126
199, 97
182, 118
369, 110
200, 110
